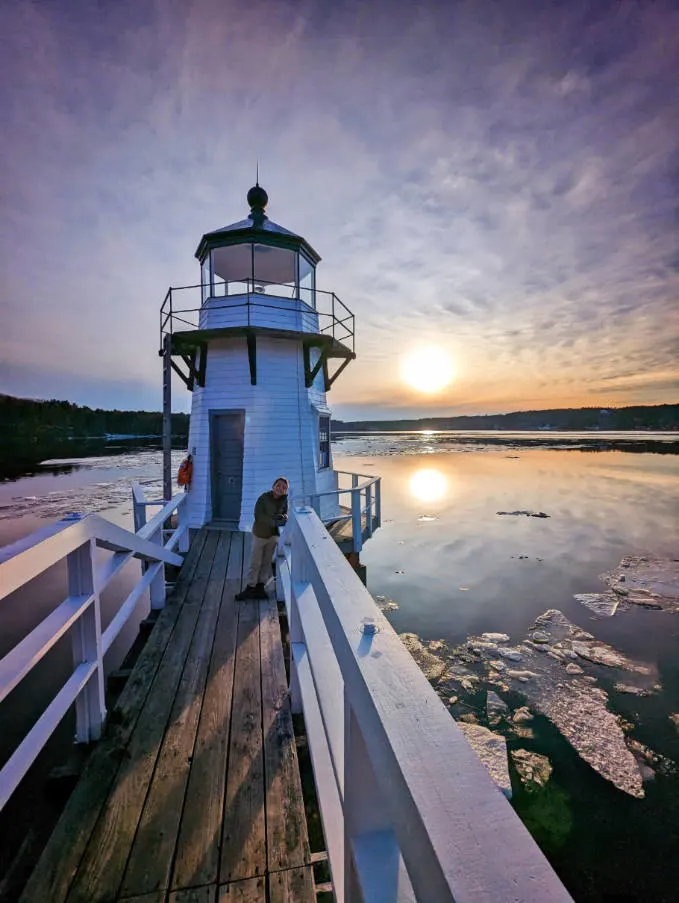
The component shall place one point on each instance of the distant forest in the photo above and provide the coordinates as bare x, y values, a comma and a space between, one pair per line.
34, 431
640, 417
37, 421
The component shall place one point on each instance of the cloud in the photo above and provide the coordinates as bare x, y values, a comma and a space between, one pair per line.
497, 178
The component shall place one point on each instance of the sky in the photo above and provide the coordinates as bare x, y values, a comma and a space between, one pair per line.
499, 179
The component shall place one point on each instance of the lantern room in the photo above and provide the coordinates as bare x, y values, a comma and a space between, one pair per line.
257, 256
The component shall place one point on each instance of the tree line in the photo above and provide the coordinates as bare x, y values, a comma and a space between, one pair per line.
637, 417
27, 420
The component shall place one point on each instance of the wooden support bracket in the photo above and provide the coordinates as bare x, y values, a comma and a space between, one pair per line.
311, 374
330, 380
202, 366
185, 378
252, 357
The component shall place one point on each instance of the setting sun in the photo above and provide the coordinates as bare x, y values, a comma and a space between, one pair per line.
428, 369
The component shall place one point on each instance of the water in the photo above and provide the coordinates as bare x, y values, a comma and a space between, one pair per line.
455, 567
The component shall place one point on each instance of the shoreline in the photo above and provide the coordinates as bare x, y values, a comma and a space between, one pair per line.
634, 442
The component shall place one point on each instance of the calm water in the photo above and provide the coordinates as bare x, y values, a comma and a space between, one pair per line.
455, 567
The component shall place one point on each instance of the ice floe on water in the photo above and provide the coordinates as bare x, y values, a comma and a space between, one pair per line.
555, 672
95, 496
645, 581
384, 603
523, 514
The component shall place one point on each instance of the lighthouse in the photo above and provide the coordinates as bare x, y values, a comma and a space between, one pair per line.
259, 345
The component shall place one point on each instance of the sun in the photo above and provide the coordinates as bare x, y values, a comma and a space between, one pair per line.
427, 369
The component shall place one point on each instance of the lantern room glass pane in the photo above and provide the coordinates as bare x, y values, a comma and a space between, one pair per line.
307, 281
205, 279
275, 271
232, 270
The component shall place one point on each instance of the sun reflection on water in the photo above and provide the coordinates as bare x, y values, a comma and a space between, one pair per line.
428, 485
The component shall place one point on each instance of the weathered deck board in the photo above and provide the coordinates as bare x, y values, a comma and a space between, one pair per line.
150, 861
244, 841
197, 858
251, 890
287, 842
194, 895
101, 870
198, 761
51, 879
292, 886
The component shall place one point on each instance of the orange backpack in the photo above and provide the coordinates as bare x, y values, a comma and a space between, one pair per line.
185, 472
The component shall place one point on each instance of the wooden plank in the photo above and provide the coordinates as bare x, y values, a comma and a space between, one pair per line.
243, 853
197, 857
194, 895
287, 840
252, 890
292, 886
101, 869
157, 897
150, 860
247, 551
54, 872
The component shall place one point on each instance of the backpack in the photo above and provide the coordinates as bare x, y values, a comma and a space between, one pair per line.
185, 472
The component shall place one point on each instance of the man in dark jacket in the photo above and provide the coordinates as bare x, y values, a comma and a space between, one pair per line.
271, 512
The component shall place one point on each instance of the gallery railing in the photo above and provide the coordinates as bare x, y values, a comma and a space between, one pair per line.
182, 305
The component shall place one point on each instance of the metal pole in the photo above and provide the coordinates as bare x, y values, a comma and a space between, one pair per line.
167, 418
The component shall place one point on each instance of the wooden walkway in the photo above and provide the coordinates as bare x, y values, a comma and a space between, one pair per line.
194, 794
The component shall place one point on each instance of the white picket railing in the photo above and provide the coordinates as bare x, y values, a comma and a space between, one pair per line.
75, 539
408, 810
365, 505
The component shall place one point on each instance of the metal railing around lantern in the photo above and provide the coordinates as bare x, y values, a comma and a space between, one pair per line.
178, 313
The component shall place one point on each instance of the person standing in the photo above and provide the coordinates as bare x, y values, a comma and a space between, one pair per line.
271, 513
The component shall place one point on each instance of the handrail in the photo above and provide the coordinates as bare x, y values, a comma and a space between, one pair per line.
408, 810
341, 324
366, 506
75, 538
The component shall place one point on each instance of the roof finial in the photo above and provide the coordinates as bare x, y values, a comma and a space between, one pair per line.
257, 199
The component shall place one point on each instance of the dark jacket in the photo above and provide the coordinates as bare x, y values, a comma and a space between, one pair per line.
268, 512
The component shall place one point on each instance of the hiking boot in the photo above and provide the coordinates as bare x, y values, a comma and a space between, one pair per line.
249, 592
260, 592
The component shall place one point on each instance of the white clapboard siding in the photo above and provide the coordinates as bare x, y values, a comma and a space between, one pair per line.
268, 311
281, 422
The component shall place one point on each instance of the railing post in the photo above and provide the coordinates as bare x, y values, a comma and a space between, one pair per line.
90, 705
356, 532
138, 507
316, 504
183, 522
167, 418
157, 588
298, 576
373, 866
378, 503
369, 510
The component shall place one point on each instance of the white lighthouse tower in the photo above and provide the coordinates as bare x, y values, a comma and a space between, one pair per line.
259, 346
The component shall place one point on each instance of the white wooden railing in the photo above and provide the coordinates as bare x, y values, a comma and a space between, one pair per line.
75, 538
365, 505
408, 810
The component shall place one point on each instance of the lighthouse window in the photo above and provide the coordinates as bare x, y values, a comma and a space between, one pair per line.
205, 278
324, 442
232, 270
275, 271
307, 281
